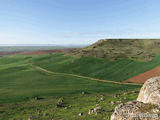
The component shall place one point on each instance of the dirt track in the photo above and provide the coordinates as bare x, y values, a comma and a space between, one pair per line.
145, 76
99, 80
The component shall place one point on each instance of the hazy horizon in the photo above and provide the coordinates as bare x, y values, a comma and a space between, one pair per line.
44, 44
76, 22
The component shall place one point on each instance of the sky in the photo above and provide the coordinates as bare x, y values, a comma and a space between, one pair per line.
77, 21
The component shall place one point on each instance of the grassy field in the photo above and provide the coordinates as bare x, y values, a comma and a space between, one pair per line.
45, 109
101, 68
20, 81
20, 84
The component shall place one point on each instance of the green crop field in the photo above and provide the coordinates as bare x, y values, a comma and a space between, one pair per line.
20, 83
101, 68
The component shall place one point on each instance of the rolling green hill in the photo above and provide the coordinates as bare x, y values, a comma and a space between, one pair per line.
100, 68
21, 81
20, 84
113, 49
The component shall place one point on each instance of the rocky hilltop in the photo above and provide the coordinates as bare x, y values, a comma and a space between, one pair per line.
113, 49
146, 107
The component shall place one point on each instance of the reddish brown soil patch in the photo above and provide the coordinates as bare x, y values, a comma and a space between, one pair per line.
37, 52
42, 52
145, 76
8, 53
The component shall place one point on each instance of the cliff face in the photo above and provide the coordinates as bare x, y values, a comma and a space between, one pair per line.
147, 106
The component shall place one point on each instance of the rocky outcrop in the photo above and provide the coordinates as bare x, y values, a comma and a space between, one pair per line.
136, 110
150, 92
147, 106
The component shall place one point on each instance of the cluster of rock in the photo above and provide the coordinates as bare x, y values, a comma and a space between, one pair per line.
149, 95
124, 111
37, 117
95, 110
60, 103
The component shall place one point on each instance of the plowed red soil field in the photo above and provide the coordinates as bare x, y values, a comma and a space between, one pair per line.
42, 52
37, 52
8, 53
145, 76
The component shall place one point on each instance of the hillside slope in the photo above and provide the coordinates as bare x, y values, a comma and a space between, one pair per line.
100, 68
113, 49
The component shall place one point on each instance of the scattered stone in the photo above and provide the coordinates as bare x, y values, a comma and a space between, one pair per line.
118, 102
38, 112
95, 110
90, 111
125, 98
70, 106
112, 102
98, 109
97, 104
125, 93
36, 98
102, 99
102, 95
59, 105
116, 95
30, 118
80, 114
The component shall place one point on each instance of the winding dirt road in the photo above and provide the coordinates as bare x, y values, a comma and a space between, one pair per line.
79, 76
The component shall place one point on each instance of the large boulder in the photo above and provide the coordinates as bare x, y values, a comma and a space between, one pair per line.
150, 92
148, 103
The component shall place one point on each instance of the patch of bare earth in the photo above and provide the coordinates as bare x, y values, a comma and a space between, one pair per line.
8, 53
145, 76
42, 52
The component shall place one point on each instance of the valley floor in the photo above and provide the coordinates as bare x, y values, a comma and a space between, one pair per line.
32, 86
